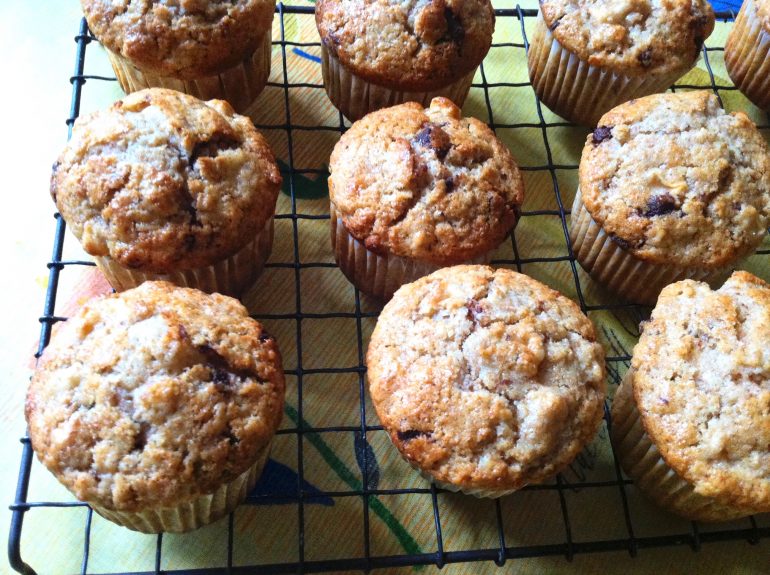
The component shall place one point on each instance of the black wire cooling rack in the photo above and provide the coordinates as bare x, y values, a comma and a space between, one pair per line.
500, 553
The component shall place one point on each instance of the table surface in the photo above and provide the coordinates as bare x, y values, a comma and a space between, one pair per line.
36, 101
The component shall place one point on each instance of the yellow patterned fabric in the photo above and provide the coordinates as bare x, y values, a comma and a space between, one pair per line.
335, 527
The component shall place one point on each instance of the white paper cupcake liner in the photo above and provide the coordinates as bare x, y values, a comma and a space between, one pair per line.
374, 274
230, 276
191, 514
356, 97
747, 56
641, 460
239, 85
620, 271
575, 89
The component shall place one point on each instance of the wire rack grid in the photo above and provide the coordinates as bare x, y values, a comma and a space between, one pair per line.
299, 496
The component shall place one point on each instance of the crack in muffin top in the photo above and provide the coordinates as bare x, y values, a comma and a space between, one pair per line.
416, 45
486, 378
674, 179
702, 383
634, 36
162, 181
154, 396
185, 39
425, 184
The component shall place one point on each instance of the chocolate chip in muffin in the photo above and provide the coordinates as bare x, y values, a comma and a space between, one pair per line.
334, 38
726, 175
625, 244
222, 370
433, 137
475, 309
645, 58
211, 147
661, 205
503, 385
221, 377
601, 133
189, 204
410, 434
455, 29
140, 439
232, 439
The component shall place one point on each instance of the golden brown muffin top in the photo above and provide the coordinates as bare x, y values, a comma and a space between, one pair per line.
635, 36
154, 396
484, 378
674, 179
162, 181
184, 39
416, 45
425, 183
702, 384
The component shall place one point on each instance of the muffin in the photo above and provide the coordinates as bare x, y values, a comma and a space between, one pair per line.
157, 406
588, 56
747, 52
691, 420
205, 49
164, 186
485, 380
378, 53
413, 190
671, 187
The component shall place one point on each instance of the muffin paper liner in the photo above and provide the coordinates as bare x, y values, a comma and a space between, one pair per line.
375, 274
356, 97
193, 514
747, 56
577, 90
239, 85
620, 271
641, 460
231, 276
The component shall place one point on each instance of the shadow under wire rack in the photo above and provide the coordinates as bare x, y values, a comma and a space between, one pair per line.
298, 497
